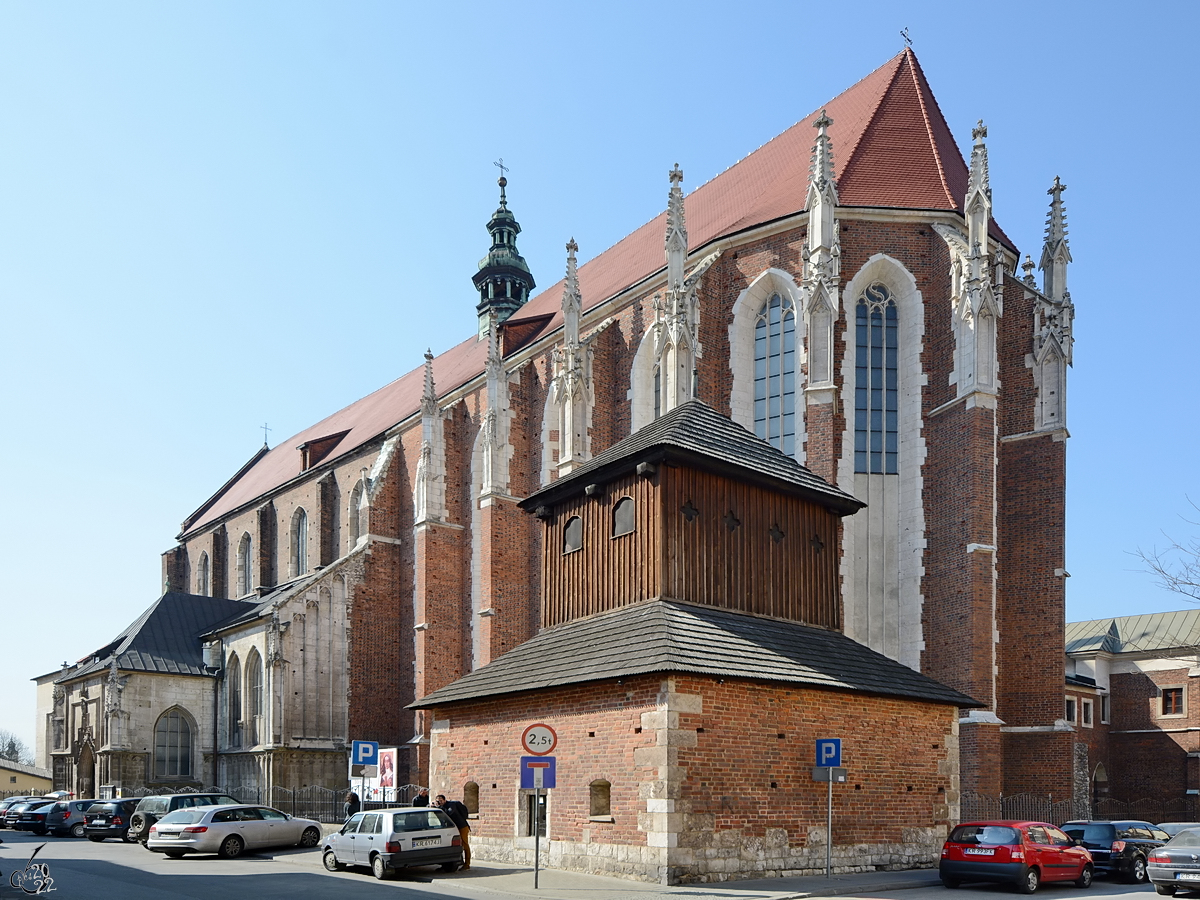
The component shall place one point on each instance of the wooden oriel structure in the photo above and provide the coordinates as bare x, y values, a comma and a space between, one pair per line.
692, 507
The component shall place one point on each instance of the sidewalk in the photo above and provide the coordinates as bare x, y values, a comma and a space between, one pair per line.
553, 884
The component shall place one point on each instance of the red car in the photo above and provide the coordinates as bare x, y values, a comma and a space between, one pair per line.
1020, 853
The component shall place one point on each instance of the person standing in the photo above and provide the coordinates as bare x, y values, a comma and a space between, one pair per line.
458, 815
422, 798
351, 804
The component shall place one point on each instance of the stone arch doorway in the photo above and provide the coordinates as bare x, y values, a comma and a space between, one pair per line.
1099, 784
85, 773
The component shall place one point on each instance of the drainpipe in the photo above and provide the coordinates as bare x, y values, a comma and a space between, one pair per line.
213, 658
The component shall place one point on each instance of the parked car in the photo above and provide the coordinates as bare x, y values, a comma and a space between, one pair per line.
388, 839
7, 803
30, 815
1020, 853
1175, 866
229, 830
1118, 848
66, 817
151, 809
110, 818
1173, 828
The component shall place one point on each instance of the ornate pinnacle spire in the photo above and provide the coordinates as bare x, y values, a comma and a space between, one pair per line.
677, 239
978, 203
1028, 267
429, 396
495, 361
979, 161
821, 168
1056, 251
503, 281
572, 300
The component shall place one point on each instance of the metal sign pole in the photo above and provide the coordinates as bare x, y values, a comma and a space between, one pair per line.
829, 829
537, 832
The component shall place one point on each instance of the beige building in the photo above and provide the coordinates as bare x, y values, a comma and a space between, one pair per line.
17, 778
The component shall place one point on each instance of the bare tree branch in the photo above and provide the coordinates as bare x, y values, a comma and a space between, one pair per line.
1177, 566
14, 749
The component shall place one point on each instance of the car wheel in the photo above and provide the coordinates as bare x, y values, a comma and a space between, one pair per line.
311, 837
1085, 877
1137, 872
127, 837
174, 854
331, 861
379, 868
231, 847
449, 867
77, 830
1030, 881
1167, 890
95, 837
137, 824
951, 883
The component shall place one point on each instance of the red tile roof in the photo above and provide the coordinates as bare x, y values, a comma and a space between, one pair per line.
892, 149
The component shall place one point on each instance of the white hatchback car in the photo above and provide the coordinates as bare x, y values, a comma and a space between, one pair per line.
388, 839
229, 830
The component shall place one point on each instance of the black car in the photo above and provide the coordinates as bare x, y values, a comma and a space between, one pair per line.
109, 818
66, 817
151, 809
30, 815
1175, 866
1120, 847
8, 803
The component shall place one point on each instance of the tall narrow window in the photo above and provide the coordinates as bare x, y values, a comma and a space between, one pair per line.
245, 565
172, 746
624, 517
471, 797
573, 535
299, 542
233, 684
775, 374
203, 576
254, 698
657, 391
876, 383
600, 803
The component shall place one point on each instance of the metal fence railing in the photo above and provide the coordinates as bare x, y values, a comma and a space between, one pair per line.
1029, 807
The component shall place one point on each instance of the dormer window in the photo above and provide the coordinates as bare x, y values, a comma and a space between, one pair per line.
573, 535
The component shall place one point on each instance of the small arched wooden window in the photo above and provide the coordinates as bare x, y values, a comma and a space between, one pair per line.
471, 797
601, 801
624, 517
573, 535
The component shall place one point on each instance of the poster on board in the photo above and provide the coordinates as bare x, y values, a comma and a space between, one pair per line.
382, 786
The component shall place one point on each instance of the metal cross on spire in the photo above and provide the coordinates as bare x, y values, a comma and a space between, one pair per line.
501, 166
904, 34
266, 428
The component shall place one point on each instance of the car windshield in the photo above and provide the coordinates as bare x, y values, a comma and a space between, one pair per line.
183, 817
155, 804
1090, 832
1187, 838
419, 821
985, 834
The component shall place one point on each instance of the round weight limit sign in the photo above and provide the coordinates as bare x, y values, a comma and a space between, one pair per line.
539, 740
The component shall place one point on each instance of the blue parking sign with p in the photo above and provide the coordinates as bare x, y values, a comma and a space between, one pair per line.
829, 752
364, 753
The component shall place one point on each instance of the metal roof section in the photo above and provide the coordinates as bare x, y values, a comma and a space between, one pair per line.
694, 433
165, 639
1149, 633
671, 636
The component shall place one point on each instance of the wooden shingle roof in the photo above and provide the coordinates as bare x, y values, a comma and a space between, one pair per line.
694, 433
671, 636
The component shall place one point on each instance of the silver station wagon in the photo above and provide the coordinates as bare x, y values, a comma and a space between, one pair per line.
228, 831
388, 839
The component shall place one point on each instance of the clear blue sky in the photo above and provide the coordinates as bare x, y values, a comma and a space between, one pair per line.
223, 214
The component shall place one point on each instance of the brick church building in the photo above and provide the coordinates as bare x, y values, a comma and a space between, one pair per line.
842, 294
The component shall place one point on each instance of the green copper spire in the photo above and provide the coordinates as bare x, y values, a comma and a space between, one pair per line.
504, 281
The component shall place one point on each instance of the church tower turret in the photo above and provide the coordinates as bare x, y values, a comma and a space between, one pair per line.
504, 281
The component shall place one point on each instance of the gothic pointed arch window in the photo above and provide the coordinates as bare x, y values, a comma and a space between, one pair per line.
254, 698
233, 699
245, 565
775, 373
173, 745
203, 576
299, 542
876, 383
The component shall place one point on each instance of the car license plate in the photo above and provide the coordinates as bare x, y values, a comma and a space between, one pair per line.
426, 842
167, 836
1188, 876
98, 822
979, 851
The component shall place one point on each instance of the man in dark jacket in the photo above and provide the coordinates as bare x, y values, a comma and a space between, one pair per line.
458, 815
422, 798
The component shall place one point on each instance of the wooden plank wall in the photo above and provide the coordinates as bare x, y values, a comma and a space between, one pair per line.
744, 568
606, 572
